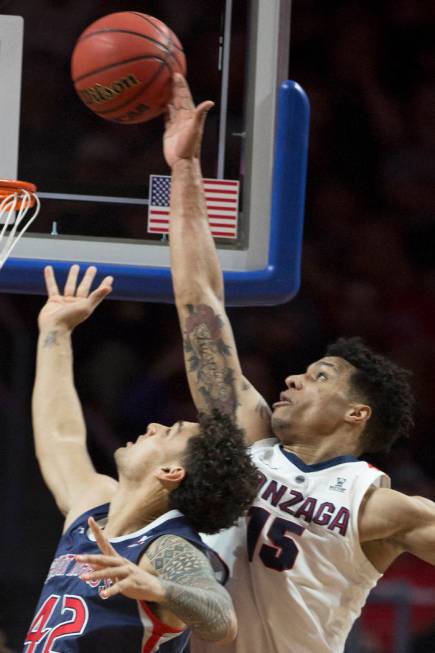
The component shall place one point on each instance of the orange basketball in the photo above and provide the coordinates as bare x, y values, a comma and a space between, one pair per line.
122, 66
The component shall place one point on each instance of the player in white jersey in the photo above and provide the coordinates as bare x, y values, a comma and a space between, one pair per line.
324, 526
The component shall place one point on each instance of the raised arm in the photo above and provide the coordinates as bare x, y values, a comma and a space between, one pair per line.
58, 424
212, 364
174, 576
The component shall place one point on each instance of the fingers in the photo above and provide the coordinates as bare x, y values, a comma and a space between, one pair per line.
104, 289
203, 108
86, 282
115, 588
123, 586
201, 114
105, 547
120, 575
96, 296
111, 568
71, 281
169, 116
50, 281
182, 98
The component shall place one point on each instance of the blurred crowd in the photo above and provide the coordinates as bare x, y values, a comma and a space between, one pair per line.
368, 264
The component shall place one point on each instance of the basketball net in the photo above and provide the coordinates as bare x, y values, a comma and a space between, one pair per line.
16, 200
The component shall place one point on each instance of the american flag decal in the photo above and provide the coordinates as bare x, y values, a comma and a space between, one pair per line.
222, 197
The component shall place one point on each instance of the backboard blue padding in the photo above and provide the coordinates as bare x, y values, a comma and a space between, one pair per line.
277, 283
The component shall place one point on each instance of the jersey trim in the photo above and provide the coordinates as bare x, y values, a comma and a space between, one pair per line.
304, 467
159, 629
171, 514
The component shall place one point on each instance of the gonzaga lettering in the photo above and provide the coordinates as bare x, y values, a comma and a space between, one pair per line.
298, 575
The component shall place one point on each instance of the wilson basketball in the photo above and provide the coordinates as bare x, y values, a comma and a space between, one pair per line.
122, 66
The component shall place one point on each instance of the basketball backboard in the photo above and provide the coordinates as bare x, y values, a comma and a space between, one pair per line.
11, 51
93, 175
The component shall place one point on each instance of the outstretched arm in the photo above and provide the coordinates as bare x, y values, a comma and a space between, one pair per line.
176, 577
406, 524
213, 368
58, 424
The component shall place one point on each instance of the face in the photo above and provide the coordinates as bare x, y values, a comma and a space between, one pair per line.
158, 446
315, 403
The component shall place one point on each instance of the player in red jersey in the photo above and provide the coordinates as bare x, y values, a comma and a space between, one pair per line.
173, 480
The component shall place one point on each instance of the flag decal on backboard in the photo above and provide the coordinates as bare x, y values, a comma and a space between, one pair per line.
222, 197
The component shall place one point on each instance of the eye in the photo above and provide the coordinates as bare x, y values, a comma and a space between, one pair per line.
321, 376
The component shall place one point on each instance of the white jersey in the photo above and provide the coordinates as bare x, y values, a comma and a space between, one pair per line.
298, 575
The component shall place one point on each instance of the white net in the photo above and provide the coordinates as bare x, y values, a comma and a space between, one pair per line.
18, 209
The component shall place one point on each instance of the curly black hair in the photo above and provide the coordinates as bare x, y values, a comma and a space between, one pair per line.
221, 480
384, 386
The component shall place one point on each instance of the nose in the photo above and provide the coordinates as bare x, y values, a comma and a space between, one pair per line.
153, 428
294, 382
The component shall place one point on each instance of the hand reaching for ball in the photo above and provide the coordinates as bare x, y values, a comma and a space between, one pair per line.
184, 124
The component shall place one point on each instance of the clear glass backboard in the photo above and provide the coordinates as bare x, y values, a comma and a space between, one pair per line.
93, 175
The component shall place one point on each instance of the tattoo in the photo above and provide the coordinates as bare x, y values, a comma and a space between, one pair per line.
192, 593
207, 352
51, 339
263, 409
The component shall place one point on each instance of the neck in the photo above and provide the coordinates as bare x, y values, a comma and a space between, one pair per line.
318, 451
132, 509
311, 457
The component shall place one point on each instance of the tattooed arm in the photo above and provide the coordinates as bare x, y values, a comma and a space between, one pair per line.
190, 589
213, 368
177, 580
59, 428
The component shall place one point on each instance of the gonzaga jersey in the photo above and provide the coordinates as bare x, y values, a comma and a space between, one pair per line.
72, 617
298, 575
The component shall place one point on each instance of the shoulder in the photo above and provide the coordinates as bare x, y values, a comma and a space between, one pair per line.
385, 512
264, 444
365, 476
100, 491
384, 479
177, 559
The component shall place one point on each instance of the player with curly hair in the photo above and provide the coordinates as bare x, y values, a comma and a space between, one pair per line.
173, 481
325, 525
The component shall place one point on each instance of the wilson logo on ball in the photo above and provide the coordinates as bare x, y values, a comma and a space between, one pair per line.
100, 93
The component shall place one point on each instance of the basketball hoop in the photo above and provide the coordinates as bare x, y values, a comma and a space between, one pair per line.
16, 199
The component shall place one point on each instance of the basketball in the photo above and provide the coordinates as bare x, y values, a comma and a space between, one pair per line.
122, 66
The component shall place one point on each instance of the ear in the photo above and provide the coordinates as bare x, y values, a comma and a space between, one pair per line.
170, 476
358, 414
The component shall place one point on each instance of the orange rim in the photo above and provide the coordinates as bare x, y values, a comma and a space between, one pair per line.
10, 187
15, 184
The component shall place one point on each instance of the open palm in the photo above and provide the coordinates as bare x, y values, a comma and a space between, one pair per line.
76, 304
184, 124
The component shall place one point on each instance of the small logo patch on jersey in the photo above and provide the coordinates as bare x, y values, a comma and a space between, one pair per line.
339, 485
139, 542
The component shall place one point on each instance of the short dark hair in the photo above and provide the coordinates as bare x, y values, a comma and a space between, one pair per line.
221, 480
384, 386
